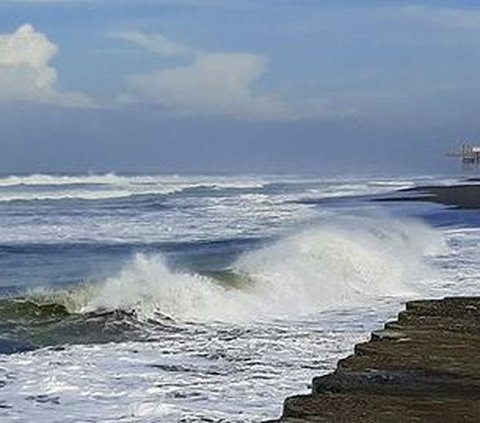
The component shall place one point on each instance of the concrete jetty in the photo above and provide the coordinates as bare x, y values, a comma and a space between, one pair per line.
423, 367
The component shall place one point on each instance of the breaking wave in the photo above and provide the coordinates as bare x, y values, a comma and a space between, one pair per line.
73, 195
46, 179
123, 180
41, 187
335, 265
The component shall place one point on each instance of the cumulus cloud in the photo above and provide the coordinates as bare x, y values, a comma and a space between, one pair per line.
26, 73
212, 83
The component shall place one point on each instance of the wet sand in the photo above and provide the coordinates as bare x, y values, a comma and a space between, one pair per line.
464, 196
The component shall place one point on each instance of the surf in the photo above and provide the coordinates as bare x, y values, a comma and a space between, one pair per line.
340, 263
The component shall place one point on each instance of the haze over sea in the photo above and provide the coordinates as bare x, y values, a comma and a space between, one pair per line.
146, 298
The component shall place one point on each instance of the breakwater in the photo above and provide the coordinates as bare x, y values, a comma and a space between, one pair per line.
423, 367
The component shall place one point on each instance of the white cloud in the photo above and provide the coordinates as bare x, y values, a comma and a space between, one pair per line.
156, 43
212, 84
25, 71
216, 83
219, 84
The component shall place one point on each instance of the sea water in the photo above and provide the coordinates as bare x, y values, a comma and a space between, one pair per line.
180, 298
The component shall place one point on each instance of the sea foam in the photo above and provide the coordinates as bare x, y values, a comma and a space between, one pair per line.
333, 265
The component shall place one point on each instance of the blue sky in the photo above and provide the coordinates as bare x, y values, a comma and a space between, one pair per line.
236, 85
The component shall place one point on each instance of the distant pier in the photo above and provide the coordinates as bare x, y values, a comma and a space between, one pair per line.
469, 156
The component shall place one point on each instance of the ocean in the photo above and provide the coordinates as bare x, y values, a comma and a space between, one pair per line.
185, 298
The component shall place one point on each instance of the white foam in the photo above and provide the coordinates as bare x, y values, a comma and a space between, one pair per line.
65, 195
111, 186
46, 179
341, 264
114, 179
148, 286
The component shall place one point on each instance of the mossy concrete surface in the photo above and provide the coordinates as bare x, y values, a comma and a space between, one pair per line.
424, 367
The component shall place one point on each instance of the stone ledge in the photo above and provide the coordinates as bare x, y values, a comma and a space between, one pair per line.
424, 367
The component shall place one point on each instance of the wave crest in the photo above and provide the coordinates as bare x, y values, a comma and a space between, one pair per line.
340, 264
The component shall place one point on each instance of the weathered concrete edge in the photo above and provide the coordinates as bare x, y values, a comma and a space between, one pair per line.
395, 374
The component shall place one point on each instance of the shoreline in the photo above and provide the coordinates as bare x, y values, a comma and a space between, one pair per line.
424, 367
461, 196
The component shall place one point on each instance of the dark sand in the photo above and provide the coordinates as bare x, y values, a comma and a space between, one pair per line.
464, 196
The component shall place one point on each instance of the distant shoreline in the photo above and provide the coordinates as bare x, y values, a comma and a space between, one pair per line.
461, 196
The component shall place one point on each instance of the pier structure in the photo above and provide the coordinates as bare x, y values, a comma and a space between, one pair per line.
469, 156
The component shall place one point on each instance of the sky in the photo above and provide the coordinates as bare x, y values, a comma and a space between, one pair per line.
250, 86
